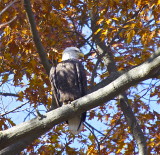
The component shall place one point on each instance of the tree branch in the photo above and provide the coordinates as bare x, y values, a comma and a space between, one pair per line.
9, 94
8, 6
36, 37
108, 133
36, 127
6, 23
96, 139
7, 112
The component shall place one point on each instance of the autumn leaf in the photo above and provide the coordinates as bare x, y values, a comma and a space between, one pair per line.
130, 35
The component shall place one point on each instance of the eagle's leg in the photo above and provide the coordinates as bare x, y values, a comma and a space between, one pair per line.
67, 102
64, 103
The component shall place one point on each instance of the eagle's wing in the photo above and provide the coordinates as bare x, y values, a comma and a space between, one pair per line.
76, 123
54, 86
82, 83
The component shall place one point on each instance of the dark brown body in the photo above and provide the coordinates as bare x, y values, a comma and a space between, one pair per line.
68, 80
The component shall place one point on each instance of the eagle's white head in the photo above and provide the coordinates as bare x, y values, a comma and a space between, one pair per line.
71, 53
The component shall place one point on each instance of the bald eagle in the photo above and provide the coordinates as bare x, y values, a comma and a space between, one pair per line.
68, 80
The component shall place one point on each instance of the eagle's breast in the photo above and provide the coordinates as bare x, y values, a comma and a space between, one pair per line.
67, 81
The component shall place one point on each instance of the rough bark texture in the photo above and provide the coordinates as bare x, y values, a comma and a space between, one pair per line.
30, 130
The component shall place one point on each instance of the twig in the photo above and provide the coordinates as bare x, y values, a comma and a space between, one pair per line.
1, 115
9, 5
10, 21
41, 116
92, 131
107, 135
9, 94
90, 126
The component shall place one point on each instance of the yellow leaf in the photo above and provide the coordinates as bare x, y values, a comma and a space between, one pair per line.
152, 144
108, 21
115, 19
129, 25
158, 21
91, 150
102, 11
29, 71
144, 38
126, 26
130, 20
20, 94
130, 35
7, 56
132, 63
60, 60
100, 21
151, 36
112, 121
7, 31
33, 62
62, 6
24, 31
97, 31
137, 60
138, 3
117, 1
118, 151
105, 32
132, 25
5, 1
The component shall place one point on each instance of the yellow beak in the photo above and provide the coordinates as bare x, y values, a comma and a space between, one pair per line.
81, 55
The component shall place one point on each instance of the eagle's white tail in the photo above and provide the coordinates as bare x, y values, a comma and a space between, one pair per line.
75, 125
